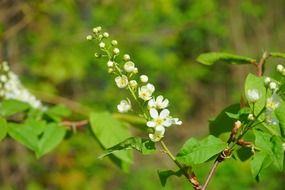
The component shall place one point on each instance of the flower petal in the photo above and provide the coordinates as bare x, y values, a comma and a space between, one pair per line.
153, 113
150, 124
159, 130
164, 113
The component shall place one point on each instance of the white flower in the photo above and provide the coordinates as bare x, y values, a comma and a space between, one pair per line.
267, 80
273, 85
102, 45
121, 81
124, 106
279, 68
159, 120
159, 102
110, 63
145, 92
133, 83
126, 57
129, 66
175, 121
272, 103
89, 37
95, 30
144, 78
157, 135
116, 51
250, 117
253, 95
106, 34
114, 42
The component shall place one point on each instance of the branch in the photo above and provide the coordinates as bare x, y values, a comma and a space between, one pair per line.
259, 66
187, 171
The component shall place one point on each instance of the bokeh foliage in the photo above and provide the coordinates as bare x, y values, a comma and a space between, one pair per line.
164, 37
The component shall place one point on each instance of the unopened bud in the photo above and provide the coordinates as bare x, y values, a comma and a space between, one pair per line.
114, 42
126, 57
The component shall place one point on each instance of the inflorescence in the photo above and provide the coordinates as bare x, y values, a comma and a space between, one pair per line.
12, 88
152, 108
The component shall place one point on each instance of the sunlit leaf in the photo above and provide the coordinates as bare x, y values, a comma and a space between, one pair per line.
213, 57
11, 107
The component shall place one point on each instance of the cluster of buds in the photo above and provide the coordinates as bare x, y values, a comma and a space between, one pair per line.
152, 108
12, 88
280, 68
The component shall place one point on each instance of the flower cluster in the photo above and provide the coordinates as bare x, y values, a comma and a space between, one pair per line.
12, 88
154, 109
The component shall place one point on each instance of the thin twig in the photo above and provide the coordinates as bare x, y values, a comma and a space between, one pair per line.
210, 175
187, 171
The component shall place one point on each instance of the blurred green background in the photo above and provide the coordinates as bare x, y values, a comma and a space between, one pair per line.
45, 43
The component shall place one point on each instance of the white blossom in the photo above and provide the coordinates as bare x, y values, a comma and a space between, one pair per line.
273, 85
89, 37
157, 135
272, 103
126, 57
253, 95
279, 68
124, 106
267, 80
116, 51
159, 102
114, 42
106, 34
121, 81
102, 45
129, 66
145, 92
159, 119
144, 78
110, 63
133, 83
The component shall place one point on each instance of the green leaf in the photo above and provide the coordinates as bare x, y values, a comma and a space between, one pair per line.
257, 164
52, 136
3, 128
196, 152
145, 146
11, 107
58, 112
110, 132
255, 82
24, 134
280, 114
213, 57
277, 152
223, 123
164, 175
277, 54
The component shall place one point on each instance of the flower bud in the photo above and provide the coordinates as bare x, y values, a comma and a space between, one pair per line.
272, 85
133, 83
126, 57
116, 51
110, 70
102, 45
95, 30
267, 80
114, 42
99, 28
97, 55
106, 34
110, 63
250, 117
279, 68
135, 70
129, 66
144, 78
89, 37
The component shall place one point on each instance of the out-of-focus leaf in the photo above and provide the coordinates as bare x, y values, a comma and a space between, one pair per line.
3, 128
145, 146
164, 175
52, 136
58, 112
223, 123
280, 114
11, 107
257, 163
110, 132
196, 152
213, 57
277, 54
